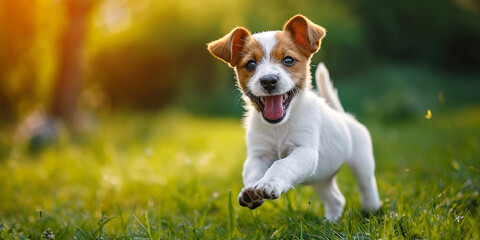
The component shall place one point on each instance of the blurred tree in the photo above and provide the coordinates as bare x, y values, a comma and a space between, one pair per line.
440, 32
67, 85
17, 36
68, 78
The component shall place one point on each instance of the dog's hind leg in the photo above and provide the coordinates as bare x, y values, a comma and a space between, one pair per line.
362, 165
367, 183
333, 199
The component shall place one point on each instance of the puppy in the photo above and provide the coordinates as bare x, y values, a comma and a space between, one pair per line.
294, 135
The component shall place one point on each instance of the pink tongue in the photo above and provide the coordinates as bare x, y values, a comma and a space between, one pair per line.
273, 107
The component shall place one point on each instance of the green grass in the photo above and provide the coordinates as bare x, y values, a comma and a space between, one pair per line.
172, 175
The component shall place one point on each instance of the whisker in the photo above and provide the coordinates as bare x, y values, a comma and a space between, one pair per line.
238, 99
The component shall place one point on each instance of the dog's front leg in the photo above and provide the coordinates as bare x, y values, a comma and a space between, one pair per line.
253, 170
284, 173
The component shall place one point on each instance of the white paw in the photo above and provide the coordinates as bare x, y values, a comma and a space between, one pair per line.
333, 215
334, 209
371, 205
271, 189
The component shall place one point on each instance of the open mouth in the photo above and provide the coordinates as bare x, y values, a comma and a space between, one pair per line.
274, 108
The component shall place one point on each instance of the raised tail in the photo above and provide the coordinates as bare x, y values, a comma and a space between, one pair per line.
326, 89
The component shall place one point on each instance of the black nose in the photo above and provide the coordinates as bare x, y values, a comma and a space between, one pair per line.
268, 82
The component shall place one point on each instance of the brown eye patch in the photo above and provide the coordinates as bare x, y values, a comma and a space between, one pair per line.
287, 48
251, 51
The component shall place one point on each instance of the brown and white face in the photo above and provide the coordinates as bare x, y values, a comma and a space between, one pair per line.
271, 66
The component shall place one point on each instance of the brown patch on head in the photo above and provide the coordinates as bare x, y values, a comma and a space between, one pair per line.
286, 47
252, 50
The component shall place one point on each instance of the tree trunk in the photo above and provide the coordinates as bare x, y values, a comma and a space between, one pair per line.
68, 79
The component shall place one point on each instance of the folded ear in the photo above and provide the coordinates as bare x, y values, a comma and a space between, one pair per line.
305, 33
228, 47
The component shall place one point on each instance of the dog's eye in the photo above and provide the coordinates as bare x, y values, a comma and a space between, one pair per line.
288, 61
251, 65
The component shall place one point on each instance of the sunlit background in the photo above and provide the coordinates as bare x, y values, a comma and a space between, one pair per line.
106, 81
65, 56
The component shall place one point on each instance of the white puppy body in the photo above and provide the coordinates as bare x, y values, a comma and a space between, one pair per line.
309, 148
294, 135
315, 138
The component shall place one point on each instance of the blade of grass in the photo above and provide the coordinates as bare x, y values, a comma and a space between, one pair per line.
144, 228
148, 225
101, 223
124, 226
231, 214
81, 234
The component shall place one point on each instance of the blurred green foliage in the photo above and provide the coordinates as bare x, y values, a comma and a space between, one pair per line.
146, 54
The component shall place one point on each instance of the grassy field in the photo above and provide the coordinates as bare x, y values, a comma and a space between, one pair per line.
171, 175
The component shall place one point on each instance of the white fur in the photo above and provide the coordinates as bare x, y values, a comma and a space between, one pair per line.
268, 66
309, 147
